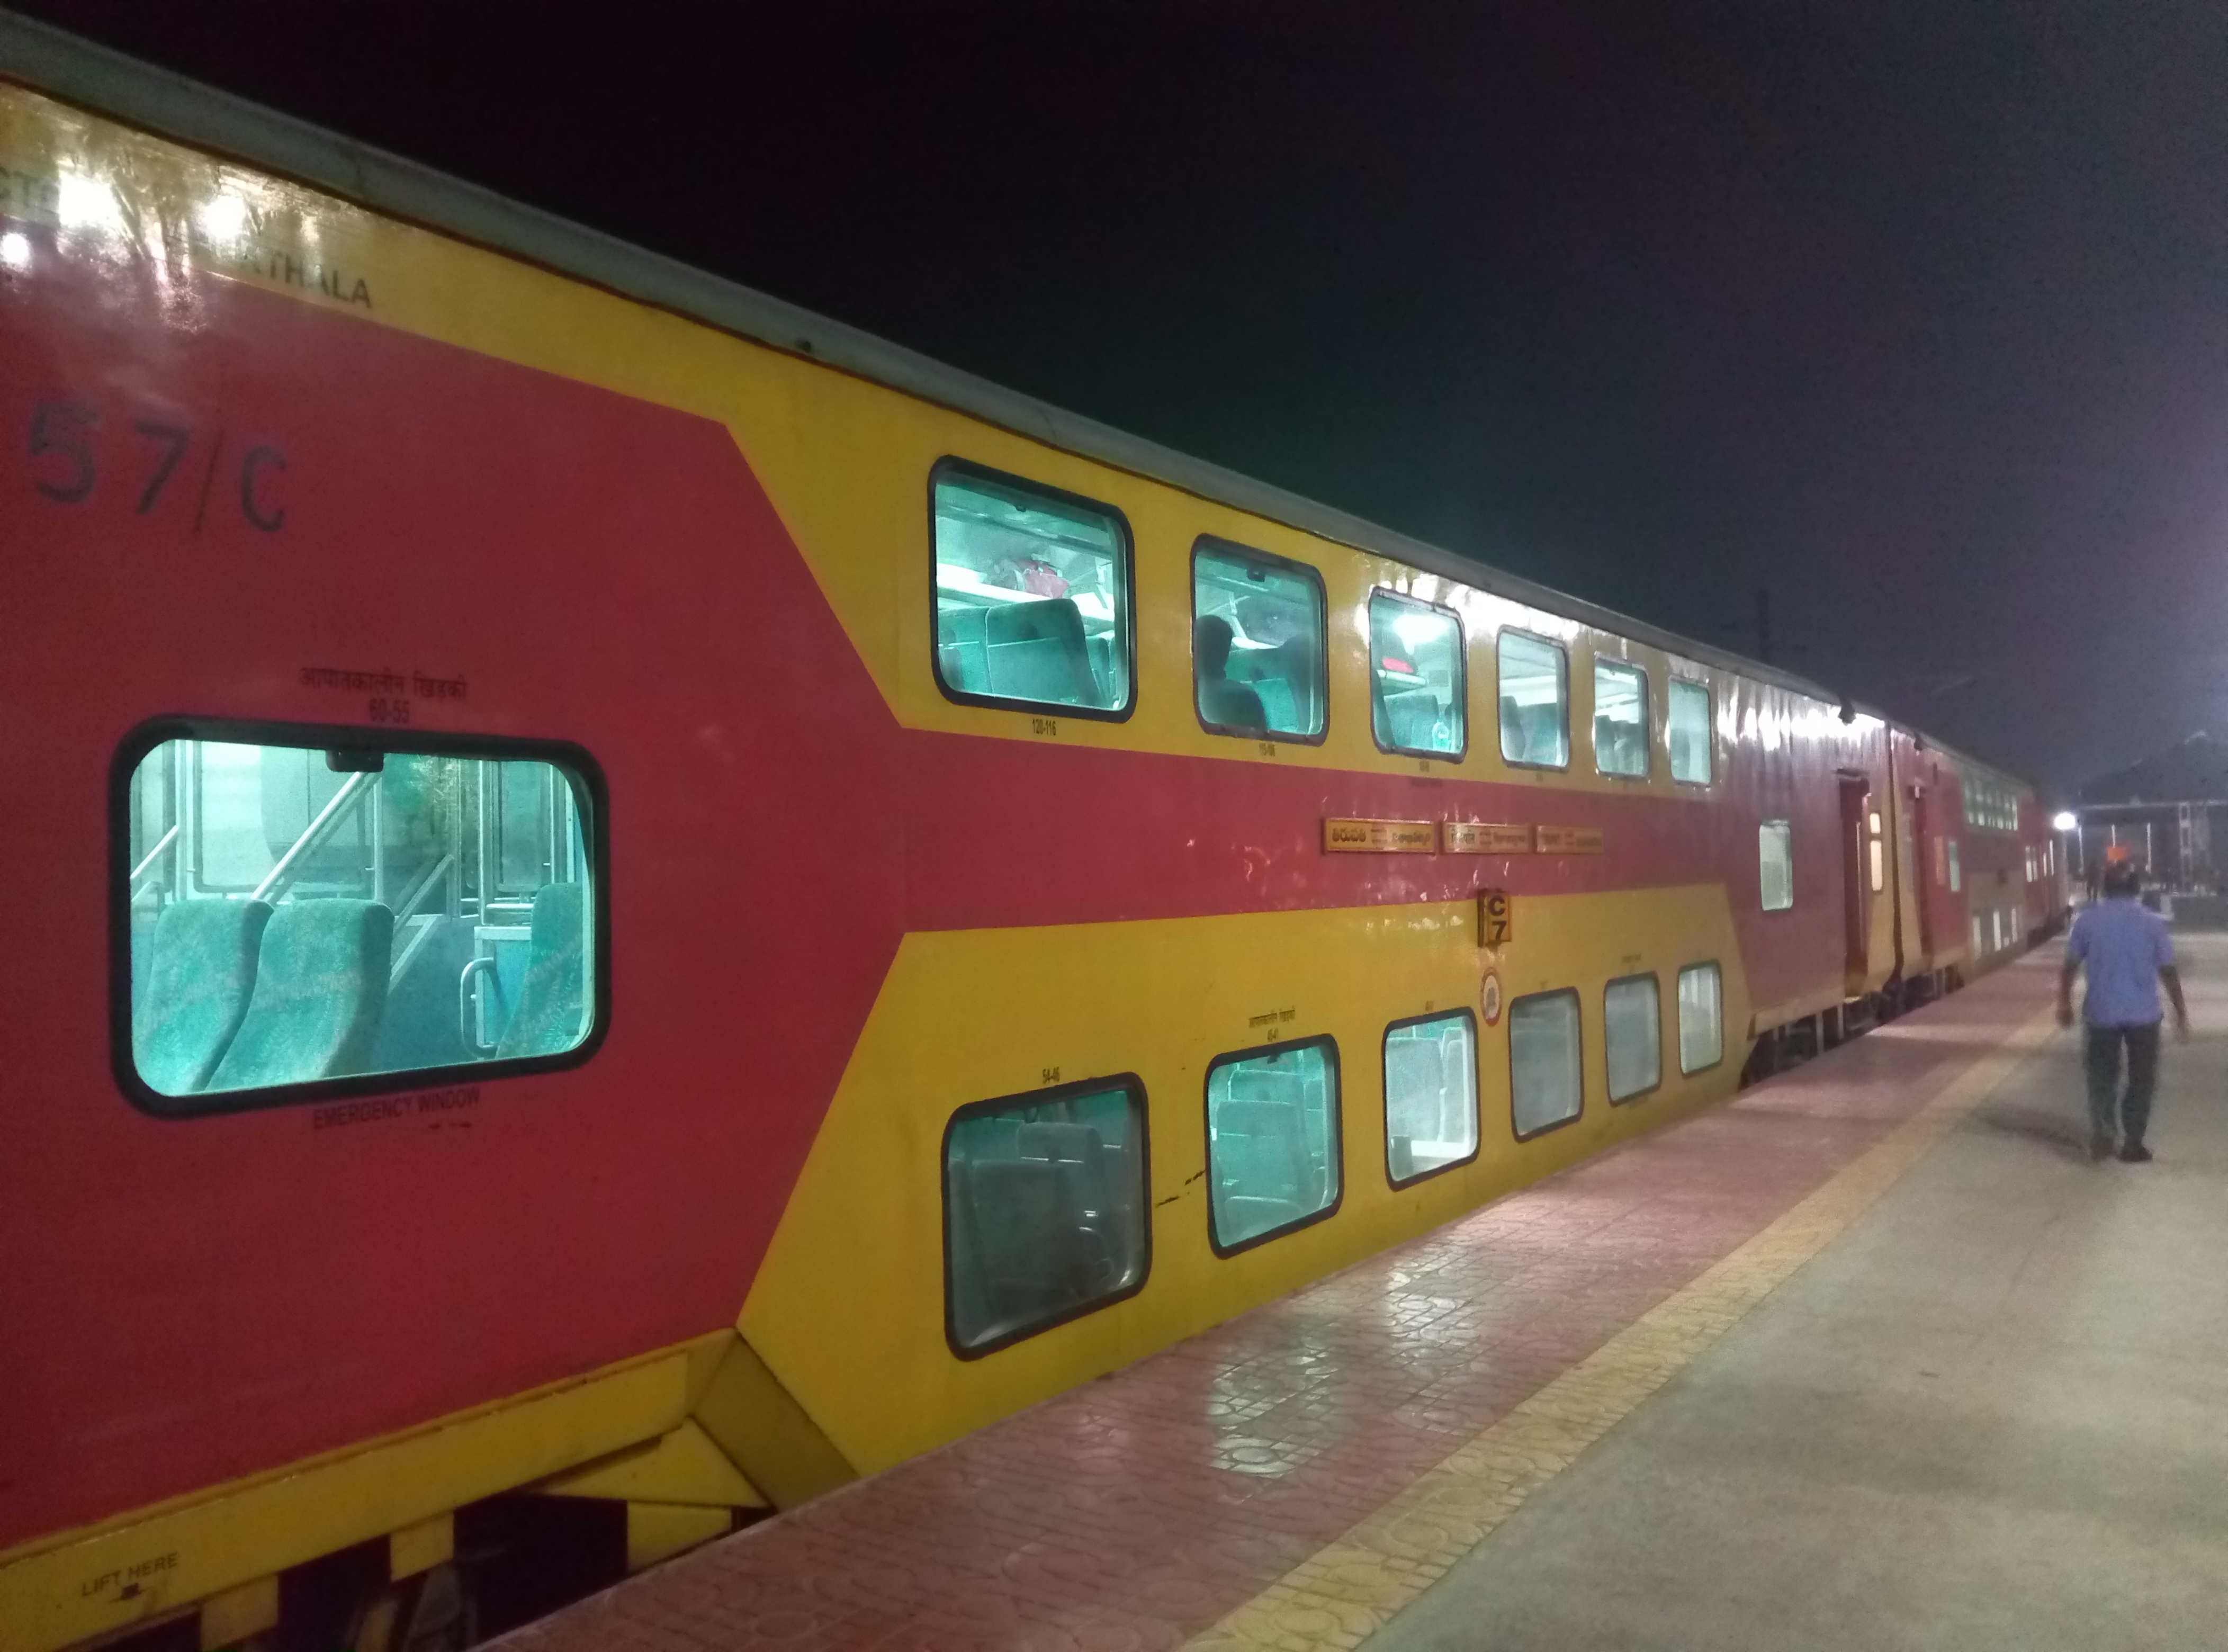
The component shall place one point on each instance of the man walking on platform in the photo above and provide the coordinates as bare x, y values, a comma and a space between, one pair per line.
2127, 952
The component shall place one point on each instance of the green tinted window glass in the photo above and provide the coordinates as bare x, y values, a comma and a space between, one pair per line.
1544, 1075
1620, 718
1272, 1140
1032, 596
1535, 701
1257, 642
1701, 1018
1045, 1210
1690, 731
1430, 1095
1632, 1033
298, 916
1416, 682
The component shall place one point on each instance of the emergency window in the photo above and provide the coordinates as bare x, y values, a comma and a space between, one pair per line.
1257, 642
1690, 731
1776, 865
1273, 1142
1045, 1210
1430, 1095
1535, 701
1620, 718
1544, 1075
1701, 1017
1416, 680
1031, 595
1632, 1030
297, 914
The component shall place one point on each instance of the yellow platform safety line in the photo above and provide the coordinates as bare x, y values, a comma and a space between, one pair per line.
1345, 1592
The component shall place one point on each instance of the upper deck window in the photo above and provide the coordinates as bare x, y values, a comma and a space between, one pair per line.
1689, 734
1257, 642
1535, 701
294, 914
1990, 804
1417, 691
1031, 595
1620, 718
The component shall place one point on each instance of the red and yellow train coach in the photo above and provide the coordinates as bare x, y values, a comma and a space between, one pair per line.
624, 896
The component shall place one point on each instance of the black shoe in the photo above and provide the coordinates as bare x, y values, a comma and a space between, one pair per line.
2134, 1153
2100, 1145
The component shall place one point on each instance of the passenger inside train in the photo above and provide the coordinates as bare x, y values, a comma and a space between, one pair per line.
1271, 613
298, 915
1031, 594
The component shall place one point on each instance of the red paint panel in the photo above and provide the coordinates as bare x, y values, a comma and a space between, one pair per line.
188, 1302
204, 1299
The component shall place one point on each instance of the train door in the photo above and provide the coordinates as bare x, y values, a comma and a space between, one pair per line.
1861, 850
1920, 849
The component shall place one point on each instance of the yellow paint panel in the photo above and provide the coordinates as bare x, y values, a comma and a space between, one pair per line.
684, 1467
237, 1613
70, 1587
658, 1532
422, 1547
847, 1308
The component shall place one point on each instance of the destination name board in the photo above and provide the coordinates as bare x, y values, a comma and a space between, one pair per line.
1570, 840
1380, 836
1482, 837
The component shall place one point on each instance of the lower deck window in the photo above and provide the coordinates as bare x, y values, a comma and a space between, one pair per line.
297, 914
1701, 1017
1430, 1095
1632, 1030
1545, 1074
1273, 1152
1045, 1213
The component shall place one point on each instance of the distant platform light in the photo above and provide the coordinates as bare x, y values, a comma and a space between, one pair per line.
2065, 820
15, 251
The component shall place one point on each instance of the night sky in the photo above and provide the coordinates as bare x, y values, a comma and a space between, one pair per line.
1915, 316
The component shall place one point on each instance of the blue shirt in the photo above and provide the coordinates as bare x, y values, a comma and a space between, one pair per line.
2123, 946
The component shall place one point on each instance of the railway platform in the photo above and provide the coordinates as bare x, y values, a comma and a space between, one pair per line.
1873, 1355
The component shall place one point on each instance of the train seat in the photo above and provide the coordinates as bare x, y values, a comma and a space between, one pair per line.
1035, 650
200, 978
1512, 729
959, 650
320, 990
1031, 1252
552, 1000
1410, 719
1543, 734
1259, 1153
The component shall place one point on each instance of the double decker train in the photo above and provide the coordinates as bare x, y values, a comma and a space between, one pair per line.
627, 904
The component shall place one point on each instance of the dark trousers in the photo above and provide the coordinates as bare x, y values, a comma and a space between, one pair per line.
2100, 1055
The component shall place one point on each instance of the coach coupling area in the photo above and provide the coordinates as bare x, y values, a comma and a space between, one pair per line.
1874, 1356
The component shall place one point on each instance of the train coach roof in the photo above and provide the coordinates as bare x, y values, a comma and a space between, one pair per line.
78, 71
